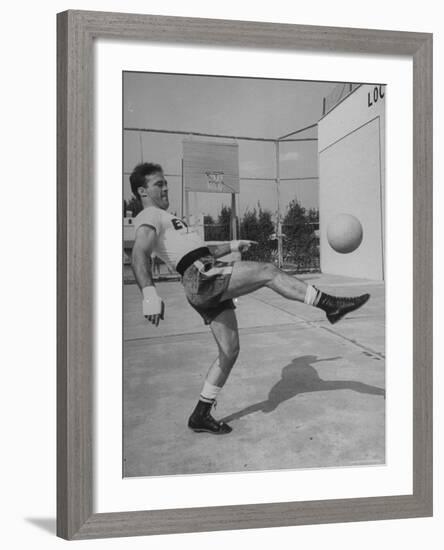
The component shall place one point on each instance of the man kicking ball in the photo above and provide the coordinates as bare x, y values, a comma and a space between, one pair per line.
210, 285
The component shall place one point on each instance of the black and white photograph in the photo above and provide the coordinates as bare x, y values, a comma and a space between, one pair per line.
253, 274
222, 328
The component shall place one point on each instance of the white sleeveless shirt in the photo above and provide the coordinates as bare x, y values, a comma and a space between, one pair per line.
173, 237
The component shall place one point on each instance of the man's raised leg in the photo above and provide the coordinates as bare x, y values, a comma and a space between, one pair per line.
250, 276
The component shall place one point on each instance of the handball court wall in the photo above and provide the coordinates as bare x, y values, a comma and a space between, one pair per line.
351, 160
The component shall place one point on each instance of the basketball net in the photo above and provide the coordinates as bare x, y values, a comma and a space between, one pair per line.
215, 180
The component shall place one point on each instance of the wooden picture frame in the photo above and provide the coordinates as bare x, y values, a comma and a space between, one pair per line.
77, 31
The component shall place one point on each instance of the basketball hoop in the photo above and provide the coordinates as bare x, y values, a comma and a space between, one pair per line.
215, 180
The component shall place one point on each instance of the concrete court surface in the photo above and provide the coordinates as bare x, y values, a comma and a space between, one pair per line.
303, 393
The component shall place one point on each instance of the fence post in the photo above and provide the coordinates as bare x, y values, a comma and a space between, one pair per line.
233, 217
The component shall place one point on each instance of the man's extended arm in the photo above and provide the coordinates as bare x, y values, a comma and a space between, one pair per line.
153, 307
218, 250
222, 249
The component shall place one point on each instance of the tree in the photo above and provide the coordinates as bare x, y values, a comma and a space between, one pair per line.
134, 205
301, 245
218, 230
257, 225
221, 230
209, 225
224, 222
300, 242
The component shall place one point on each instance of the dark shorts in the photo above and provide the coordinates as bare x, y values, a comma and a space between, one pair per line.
204, 282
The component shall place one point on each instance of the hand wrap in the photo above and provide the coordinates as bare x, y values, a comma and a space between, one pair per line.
152, 302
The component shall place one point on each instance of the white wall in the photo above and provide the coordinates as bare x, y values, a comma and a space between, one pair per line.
28, 283
351, 179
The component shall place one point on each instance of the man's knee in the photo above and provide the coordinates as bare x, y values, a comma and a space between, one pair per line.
269, 271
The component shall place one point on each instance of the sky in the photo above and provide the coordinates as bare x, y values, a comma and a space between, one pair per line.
249, 107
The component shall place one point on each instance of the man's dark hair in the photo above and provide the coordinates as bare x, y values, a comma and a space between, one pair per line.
138, 175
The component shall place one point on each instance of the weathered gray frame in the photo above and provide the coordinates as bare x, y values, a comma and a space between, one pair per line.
77, 31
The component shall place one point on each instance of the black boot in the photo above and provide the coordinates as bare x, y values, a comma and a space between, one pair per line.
202, 421
336, 307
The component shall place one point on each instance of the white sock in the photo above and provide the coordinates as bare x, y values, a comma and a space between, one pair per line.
310, 295
209, 392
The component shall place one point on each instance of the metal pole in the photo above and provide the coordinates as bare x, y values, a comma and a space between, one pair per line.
185, 201
278, 195
198, 134
233, 217
141, 147
187, 207
298, 131
183, 190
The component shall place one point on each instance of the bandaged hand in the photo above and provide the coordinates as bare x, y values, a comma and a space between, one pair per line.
241, 246
153, 306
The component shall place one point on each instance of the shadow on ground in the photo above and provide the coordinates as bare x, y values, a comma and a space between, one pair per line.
46, 524
301, 377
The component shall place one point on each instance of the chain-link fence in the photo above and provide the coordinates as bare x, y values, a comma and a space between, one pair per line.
300, 240
275, 179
